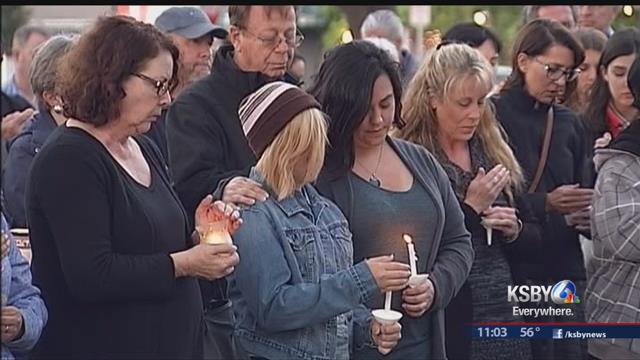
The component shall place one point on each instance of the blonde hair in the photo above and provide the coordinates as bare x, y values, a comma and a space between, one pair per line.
303, 139
443, 71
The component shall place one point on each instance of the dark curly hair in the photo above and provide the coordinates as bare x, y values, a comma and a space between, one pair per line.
92, 73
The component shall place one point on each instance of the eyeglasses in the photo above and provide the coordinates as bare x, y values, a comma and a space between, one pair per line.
161, 86
292, 40
555, 73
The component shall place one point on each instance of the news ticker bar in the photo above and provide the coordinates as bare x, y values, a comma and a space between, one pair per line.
556, 331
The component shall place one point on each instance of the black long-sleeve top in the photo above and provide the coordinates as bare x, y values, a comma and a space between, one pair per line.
101, 243
524, 120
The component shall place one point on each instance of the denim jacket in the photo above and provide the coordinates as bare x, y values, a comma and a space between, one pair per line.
21, 293
296, 285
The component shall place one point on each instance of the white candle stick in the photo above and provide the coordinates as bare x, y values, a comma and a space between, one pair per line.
387, 300
412, 253
488, 225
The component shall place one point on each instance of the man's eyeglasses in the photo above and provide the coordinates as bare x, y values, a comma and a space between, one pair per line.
292, 40
555, 72
161, 86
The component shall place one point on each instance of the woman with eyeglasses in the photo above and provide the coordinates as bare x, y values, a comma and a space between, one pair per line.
548, 141
113, 252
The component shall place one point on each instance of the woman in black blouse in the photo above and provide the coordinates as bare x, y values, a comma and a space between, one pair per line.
112, 248
545, 58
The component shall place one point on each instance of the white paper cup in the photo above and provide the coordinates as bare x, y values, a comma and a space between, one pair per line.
418, 279
386, 317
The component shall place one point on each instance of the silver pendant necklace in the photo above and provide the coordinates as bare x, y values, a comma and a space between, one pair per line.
373, 179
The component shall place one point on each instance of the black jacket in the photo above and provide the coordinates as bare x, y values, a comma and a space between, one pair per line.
629, 139
10, 104
22, 149
204, 134
13, 103
205, 139
523, 119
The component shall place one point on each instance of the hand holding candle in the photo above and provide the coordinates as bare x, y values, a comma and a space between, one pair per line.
379, 266
417, 299
215, 222
488, 225
415, 278
216, 233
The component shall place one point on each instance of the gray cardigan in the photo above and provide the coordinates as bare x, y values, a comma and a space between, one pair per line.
451, 253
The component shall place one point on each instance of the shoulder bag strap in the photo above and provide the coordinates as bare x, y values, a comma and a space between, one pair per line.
544, 153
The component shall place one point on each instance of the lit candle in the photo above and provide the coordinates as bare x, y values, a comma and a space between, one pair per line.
218, 237
217, 233
387, 300
412, 253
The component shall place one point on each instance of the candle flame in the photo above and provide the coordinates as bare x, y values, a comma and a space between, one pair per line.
407, 238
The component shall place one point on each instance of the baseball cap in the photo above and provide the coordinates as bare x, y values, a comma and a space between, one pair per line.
189, 22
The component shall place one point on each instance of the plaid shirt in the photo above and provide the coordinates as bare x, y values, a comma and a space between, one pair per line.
613, 292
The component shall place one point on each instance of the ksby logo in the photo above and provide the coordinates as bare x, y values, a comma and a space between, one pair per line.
564, 292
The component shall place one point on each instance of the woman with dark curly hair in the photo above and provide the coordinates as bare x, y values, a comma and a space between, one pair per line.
112, 248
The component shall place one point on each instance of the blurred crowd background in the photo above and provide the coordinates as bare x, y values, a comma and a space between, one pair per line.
323, 26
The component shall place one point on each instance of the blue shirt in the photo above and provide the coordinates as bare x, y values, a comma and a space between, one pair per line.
18, 291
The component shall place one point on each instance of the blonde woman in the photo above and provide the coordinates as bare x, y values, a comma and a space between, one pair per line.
445, 111
297, 294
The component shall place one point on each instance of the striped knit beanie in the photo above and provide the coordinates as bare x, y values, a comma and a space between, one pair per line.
269, 109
